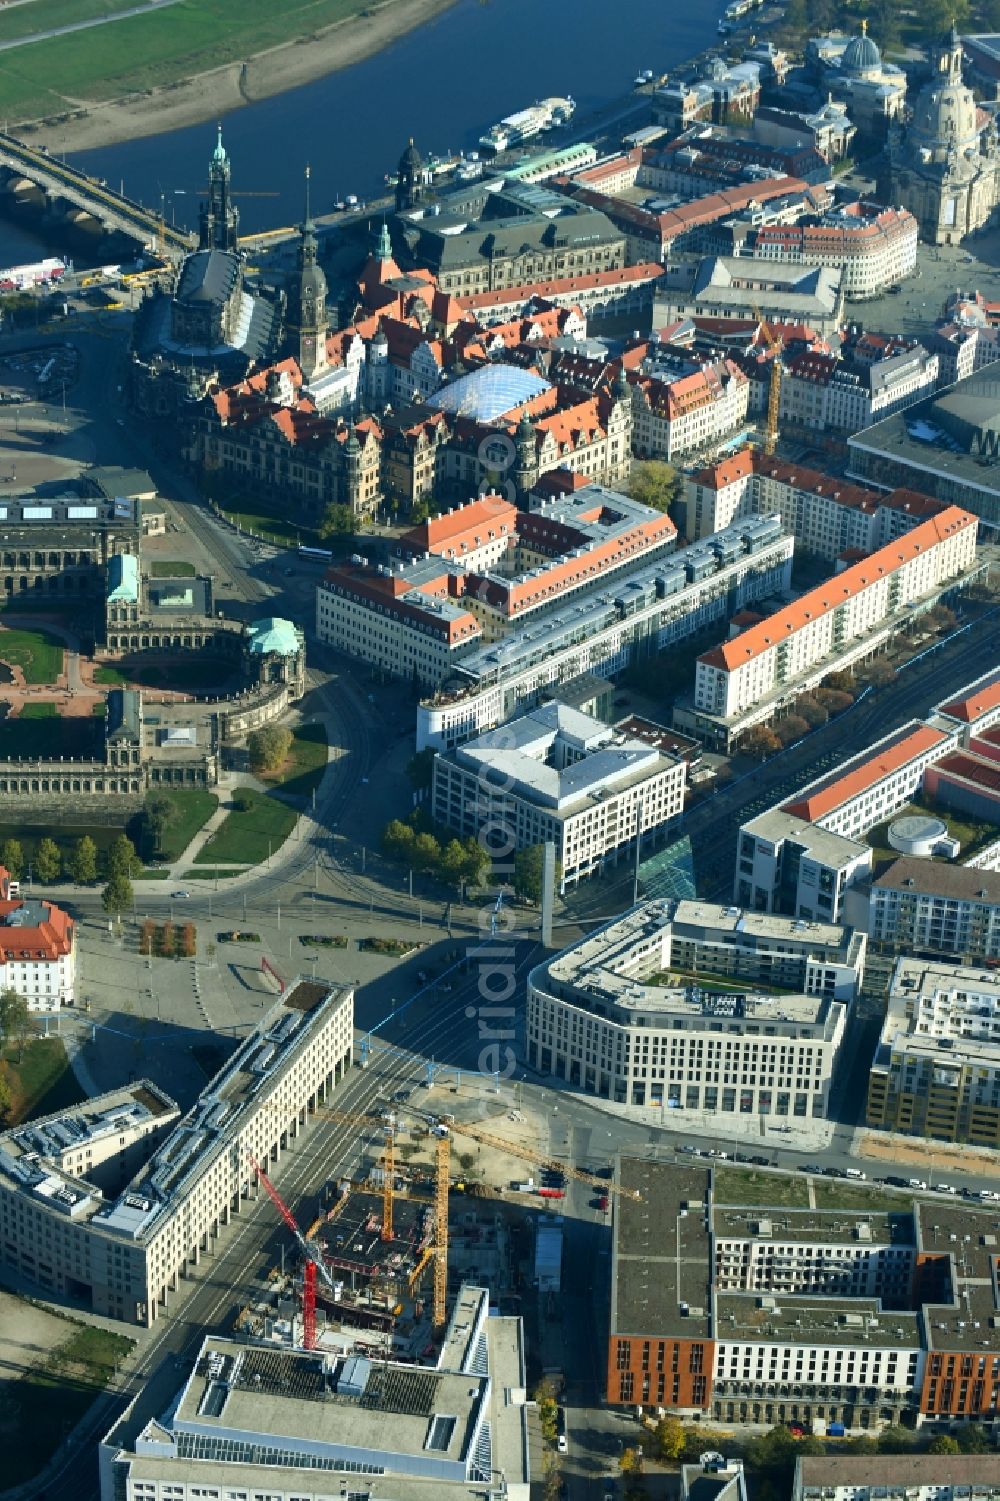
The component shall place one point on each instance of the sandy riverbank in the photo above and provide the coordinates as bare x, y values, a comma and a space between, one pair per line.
210, 95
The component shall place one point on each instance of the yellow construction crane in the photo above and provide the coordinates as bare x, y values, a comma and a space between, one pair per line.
776, 347
388, 1124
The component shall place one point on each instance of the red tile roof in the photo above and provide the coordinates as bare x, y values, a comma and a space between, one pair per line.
470, 524
827, 596
968, 710
983, 773
49, 941
859, 779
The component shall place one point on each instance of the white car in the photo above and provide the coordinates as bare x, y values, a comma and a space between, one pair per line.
944, 1188
916, 1183
561, 1444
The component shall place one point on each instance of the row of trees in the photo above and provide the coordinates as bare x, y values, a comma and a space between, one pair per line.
167, 940
455, 861
886, 17
50, 863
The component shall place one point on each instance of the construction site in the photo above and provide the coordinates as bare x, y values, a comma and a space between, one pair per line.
389, 1248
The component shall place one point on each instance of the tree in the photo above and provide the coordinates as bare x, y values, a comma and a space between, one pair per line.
973, 1439
885, 24
12, 858
477, 862
397, 839
6, 1098
453, 862
811, 711
834, 700
937, 16
426, 852
243, 801
13, 1014
123, 860
895, 1440
944, 1444
48, 861
83, 861
118, 893
420, 770
528, 873
878, 674
791, 728
337, 521
760, 742
630, 1461
158, 812
840, 679
268, 746
670, 1438
654, 483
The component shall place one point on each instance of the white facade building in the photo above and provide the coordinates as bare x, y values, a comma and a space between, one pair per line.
559, 775
37, 950
672, 417
124, 1252
875, 247
266, 1422
896, 1477
644, 611
834, 624
621, 1015
828, 515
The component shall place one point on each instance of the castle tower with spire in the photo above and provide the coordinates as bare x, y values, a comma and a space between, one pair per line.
410, 179
219, 218
305, 317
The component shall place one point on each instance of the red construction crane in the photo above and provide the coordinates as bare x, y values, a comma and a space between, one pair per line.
313, 1257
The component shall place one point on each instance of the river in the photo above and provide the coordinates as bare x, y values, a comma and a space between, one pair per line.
444, 84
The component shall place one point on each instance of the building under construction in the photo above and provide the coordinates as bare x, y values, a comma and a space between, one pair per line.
373, 1276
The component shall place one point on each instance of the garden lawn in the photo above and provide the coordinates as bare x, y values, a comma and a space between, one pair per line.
193, 807
734, 1185
44, 710
171, 570
142, 51
247, 837
111, 677
42, 1082
36, 652
65, 836
51, 1399
305, 764
274, 528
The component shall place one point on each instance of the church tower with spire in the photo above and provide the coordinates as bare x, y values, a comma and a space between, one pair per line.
306, 309
219, 218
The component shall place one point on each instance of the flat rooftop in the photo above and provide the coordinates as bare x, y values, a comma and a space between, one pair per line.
813, 1321
71, 511
820, 844
585, 615
832, 1226
661, 1261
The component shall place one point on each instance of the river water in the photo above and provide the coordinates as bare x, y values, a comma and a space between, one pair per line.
443, 84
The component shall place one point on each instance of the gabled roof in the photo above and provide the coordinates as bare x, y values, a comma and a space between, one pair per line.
899, 752
732, 655
976, 704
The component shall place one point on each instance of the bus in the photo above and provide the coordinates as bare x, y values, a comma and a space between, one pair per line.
316, 554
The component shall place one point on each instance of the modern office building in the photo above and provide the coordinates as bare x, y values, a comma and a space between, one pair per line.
745, 680
787, 864
607, 627
685, 1005
934, 907
266, 1422
556, 774
832, 1319
124, 1250
936, 1070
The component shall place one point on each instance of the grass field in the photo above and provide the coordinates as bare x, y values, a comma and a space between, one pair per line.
193, 808
44, 710
306, 762
247, 837
38, 653
52, 1398
172, 570
46, 736
141, 52
42, 1082
109, 677
274, 528
208, 873
735, 1185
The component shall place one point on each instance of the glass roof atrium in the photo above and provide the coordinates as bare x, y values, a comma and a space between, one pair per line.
487, 393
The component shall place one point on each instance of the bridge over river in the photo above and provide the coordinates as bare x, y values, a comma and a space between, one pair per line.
75, 194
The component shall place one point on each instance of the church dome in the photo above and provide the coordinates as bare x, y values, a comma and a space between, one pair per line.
861, 56
944, 116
